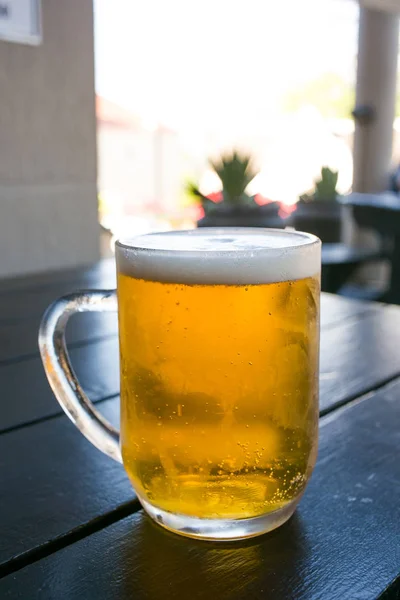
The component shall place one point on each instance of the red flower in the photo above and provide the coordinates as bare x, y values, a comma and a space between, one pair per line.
286, 210
215, 197
261, 200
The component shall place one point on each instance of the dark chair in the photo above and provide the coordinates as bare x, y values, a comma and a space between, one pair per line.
340, 262
381, 213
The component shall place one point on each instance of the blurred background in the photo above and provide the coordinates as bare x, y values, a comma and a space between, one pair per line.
114, 117
177, 82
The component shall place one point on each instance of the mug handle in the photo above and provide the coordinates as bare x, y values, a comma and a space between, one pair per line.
60, 373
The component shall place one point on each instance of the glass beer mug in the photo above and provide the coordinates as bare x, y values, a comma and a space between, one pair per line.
219, 349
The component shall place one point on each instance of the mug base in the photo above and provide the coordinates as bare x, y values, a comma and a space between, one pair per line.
220, 529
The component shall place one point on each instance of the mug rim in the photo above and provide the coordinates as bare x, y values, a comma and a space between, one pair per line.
131, 243
231, 261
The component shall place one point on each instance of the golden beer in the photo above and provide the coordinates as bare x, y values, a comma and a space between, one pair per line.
219, 343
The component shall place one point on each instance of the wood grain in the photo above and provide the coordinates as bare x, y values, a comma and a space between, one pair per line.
354, 359
342, 542
26, 394
54, 481
335, 310
21, 311
19, 340
24, 300
359, 356
355, 373
33, 302
18, 336
57, 488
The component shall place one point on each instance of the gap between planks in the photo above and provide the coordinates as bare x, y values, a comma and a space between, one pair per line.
67, 539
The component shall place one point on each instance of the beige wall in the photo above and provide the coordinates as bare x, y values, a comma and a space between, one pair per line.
378, 46
48, 204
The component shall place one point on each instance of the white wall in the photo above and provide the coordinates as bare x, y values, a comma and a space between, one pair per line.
139, 166
48, 200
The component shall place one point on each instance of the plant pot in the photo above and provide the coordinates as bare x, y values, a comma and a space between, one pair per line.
323, 219
244, 216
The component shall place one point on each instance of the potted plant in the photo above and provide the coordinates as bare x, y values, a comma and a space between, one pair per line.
233, 206
319, 212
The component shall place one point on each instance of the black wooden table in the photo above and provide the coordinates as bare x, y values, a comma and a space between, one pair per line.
71, 528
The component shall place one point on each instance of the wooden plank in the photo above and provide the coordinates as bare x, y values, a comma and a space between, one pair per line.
33, 302
26, 395
363, 365
24, 300
20, 340
30, 398
359, 356
355, 357
337, 309
54, 481
343, 541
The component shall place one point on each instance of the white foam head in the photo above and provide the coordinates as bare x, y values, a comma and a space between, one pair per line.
230, 256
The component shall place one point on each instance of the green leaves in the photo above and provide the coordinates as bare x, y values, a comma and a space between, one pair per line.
235, 172
325, 187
